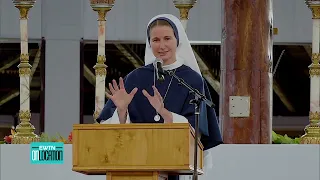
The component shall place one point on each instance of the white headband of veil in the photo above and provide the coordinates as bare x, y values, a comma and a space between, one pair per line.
184, 52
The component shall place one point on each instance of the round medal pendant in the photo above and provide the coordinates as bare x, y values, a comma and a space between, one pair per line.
156, 118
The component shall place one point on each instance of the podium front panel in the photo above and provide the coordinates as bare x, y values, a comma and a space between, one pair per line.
98, 148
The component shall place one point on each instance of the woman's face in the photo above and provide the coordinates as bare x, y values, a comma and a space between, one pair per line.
163, 43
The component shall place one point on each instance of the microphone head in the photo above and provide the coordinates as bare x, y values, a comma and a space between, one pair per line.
159, 71
159, 60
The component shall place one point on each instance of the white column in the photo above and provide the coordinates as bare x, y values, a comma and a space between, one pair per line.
100, 67
102, 7
24, 68
312, 135
25, 130
315, 71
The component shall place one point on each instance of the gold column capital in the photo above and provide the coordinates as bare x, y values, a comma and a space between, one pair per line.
184, 7
314, 6
315, 12
102, 13
24, 6
184, 11
102, 7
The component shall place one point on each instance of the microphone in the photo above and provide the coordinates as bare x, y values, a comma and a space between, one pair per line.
159, 70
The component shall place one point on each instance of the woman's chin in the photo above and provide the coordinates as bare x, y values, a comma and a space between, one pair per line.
165, 59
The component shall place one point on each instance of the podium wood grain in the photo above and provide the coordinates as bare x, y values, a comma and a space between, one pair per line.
135, 151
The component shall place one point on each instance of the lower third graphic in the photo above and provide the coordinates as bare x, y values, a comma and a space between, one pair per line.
47, 152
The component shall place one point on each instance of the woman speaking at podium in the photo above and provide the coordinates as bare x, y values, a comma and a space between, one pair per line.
141, 98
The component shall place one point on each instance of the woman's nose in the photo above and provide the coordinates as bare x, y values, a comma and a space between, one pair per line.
162, 44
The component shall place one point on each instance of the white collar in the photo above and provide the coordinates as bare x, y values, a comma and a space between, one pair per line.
172, 66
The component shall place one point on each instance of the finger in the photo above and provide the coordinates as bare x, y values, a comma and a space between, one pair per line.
146, 94
108, 95
111, 88
156, 92
121, 83
133, 92
115, 85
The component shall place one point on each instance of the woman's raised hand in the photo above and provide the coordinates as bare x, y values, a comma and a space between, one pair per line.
156, 101
119, 95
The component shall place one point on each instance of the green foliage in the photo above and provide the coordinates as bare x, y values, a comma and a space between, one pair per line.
46, 138
2, 142
279, 139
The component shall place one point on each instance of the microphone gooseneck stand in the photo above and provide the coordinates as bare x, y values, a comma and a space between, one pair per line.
196, 101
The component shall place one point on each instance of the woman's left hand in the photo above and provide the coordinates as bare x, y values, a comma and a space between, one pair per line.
156, 101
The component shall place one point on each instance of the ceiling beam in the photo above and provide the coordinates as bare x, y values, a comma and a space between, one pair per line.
88, 74
308, 49
130, 55
207, 73
10, 62
279, 92
9, 97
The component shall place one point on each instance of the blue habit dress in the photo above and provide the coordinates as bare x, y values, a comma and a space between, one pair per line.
176, 101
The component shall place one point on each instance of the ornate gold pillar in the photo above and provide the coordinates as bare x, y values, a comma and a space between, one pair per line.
312, 131
184, 7
25, 130
102, 7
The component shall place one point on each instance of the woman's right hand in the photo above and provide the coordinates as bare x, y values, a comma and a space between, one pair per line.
119, 95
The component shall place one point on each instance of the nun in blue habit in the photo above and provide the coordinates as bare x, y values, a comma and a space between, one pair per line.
140, 98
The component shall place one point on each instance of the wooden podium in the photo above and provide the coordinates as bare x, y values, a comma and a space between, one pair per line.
135, 151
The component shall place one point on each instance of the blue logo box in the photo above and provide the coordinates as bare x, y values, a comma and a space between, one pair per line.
47, 153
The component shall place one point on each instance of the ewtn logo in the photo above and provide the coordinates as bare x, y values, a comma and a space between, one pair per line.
46, 152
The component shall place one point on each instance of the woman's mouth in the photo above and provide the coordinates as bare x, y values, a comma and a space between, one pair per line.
163, 53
